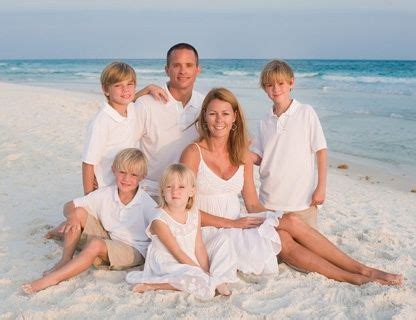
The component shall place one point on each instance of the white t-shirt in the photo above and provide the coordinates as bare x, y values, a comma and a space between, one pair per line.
162, 133
126, 223
288, 146
108, 133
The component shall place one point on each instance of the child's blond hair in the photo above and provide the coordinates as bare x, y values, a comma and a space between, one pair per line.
276, 71
184, 174
131, 160
116, 72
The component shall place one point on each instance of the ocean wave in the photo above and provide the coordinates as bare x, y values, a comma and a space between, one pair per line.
307, 74
395, 115
87, 74
370, 79
3, 64
139, 71
236, 73
361, 112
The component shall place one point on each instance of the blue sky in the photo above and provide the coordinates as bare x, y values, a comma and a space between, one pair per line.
367, 29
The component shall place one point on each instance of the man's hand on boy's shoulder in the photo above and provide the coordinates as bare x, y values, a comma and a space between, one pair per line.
158, 93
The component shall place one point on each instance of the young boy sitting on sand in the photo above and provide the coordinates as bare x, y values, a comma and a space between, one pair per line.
108, 224
289, 140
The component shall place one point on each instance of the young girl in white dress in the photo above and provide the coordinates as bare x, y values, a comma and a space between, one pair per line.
177, 258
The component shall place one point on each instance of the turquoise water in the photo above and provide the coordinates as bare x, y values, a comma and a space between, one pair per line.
367, 108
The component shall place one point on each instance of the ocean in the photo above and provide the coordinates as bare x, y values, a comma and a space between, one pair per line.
367, 108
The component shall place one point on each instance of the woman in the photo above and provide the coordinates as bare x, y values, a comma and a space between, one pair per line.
220, 159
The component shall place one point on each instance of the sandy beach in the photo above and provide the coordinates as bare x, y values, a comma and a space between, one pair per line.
41, 137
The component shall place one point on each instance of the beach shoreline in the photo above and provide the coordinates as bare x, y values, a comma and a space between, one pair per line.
42, 131
370, 170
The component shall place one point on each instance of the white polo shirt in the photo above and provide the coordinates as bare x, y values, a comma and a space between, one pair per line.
126, 223
162, 133
287, 145
108, 133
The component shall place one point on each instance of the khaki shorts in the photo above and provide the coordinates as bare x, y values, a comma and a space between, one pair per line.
309, 216
120, 255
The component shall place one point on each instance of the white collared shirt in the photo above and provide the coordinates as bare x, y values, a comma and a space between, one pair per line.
163, 132
108, 133
126, 223
288, 146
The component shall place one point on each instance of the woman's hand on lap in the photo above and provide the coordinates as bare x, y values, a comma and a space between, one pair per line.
248, 222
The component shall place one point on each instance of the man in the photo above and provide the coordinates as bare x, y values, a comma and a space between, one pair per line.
164, 128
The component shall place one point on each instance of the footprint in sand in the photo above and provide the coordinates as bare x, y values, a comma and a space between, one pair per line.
13, 156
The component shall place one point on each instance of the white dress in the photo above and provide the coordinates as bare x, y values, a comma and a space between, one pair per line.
162, 267
256, 248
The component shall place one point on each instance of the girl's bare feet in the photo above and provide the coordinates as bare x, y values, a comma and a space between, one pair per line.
140, 288
223, 289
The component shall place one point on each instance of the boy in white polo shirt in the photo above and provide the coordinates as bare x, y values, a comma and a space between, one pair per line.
114, 126
108, 224
290, 138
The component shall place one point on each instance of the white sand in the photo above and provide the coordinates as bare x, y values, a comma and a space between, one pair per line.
41, 132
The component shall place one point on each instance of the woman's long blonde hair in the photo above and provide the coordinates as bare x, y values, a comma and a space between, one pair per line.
238, 140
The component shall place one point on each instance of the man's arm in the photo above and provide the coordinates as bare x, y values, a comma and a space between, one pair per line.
155, 91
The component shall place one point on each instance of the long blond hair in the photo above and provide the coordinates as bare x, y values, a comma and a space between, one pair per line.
238, 141
184, 174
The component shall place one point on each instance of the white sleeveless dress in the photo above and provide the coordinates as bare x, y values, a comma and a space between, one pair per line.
162, 267
256, 248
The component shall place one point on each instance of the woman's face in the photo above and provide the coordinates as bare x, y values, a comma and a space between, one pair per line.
220, 118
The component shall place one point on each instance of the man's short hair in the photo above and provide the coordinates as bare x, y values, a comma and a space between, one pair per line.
179, 46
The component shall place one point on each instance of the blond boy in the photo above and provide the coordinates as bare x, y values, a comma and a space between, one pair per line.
289, 147
108, 224
113, 128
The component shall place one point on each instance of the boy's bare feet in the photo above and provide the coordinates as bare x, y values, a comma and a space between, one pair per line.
56, 233
38, 285
224, 290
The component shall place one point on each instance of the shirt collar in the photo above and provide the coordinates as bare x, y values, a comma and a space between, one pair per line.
137, 199
113, 113
192, 103
290, 111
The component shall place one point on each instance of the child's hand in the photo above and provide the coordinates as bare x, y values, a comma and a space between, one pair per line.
248, 222
72, 226
318, 196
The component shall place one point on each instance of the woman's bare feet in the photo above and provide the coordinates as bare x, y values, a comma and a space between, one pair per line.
223, 289
386, 278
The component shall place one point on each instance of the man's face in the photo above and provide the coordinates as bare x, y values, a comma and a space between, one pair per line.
182, 69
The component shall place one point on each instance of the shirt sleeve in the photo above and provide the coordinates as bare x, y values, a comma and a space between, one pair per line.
141, 116
95, 142
91, 202
318, 141
256, 142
